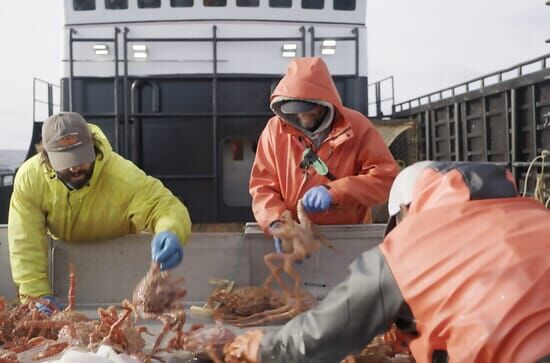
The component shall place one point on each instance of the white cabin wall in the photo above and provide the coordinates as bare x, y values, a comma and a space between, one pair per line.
169, 58
196, 58
230, 12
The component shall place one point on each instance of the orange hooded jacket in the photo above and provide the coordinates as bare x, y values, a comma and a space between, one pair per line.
353, 151
475, 272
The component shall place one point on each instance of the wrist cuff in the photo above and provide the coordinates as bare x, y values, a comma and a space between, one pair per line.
275, 221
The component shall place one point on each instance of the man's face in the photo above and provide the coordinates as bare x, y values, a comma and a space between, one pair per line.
312, 119
78, 176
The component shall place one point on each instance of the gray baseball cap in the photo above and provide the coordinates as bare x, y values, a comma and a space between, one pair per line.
67, 140
297, 106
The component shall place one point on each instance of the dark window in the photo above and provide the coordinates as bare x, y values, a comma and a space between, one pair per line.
79, 5
280, 3
344, 4
313, 4
248, 2
148, 4
215, 2
116, 4
181, 3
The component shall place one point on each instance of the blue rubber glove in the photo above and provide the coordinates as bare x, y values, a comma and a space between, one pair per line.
45, 309
317, 199
166, 250
277, 244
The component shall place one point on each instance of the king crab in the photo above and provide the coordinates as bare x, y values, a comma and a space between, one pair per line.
300, 240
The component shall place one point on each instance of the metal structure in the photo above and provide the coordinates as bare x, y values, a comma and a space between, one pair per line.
235, 256
382, 103
502, 117
197, 136
39, 89
182, 88
119, 265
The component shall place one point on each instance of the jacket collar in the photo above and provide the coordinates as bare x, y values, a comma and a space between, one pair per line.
340, 131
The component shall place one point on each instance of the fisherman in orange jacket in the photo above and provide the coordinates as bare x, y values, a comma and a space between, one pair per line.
464, 270
318, 150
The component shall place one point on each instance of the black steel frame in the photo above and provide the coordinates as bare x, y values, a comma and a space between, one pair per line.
353, 38
114, 41
378, 100
130, 109
427, 99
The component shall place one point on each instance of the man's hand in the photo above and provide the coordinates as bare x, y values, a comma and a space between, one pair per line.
48, 305
166, 250
245, 348
317, 199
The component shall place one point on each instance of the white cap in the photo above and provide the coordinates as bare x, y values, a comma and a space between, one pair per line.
402, 188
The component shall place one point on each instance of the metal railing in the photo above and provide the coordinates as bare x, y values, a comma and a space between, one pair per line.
7, 177
130, 110
468, 86
379, 99
50, 98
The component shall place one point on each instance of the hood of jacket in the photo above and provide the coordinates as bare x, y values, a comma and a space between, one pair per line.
446, 183
308, 79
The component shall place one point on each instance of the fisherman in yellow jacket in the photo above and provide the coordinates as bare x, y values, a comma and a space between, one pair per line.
77, 188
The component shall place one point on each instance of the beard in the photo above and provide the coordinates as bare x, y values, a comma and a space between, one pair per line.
76, 180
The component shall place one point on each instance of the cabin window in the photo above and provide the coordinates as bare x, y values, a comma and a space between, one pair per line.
313, 4
344, 4
280, 3
237, 160
116, 4
82, 5
181, 3
255, 3
215, 2
148, 4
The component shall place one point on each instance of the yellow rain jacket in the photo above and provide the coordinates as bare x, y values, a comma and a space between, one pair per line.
120, 199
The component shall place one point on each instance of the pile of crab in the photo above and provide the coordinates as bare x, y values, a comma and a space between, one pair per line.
391, 347
254, 305
28, 334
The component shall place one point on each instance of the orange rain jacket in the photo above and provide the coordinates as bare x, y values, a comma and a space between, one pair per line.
466, 273
475, 272
353, 151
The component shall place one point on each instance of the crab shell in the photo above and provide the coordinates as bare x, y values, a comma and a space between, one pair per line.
216, 337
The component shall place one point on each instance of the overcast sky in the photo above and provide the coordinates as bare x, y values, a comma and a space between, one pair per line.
424, 44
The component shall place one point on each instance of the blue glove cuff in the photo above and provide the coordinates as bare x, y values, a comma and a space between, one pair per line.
317, 199
277, 244
45, 309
